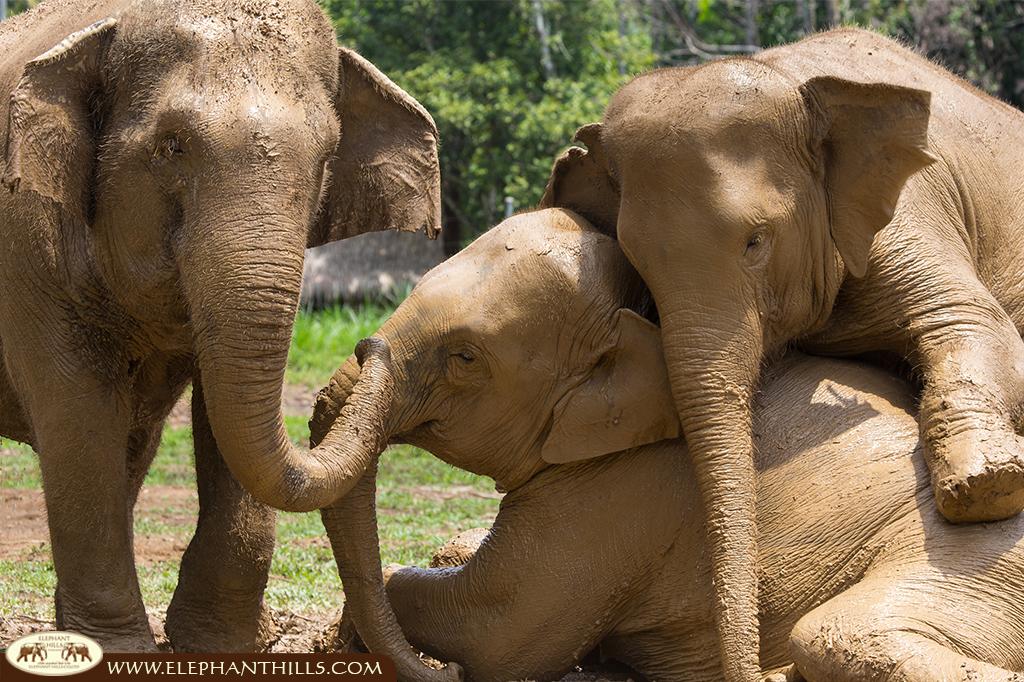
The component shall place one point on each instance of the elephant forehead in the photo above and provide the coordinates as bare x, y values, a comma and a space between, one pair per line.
281, 34
497, 287
735, 104
528, 273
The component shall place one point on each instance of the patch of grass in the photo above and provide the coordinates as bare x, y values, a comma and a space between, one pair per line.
19, 466
322, 340
173, 464
27, 584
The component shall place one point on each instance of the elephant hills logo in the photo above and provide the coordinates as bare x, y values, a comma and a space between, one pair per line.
54, 653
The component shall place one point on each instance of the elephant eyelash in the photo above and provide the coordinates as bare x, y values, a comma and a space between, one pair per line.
169, 147
466, 366
756, 240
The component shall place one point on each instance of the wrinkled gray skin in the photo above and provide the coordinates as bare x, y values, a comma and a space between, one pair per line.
612, 553
166, 163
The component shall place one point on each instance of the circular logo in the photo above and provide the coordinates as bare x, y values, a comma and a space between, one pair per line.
54, 653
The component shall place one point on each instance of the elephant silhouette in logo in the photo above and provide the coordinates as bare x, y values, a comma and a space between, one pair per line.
75, 651
32, 650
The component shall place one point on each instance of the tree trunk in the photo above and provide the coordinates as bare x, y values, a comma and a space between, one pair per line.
545, 40
752, 33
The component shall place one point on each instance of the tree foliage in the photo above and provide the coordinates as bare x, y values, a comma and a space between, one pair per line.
502, 109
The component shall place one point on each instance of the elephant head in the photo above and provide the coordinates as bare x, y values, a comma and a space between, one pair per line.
195, 154
742, 198
526, 349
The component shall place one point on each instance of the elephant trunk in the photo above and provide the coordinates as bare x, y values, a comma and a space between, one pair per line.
242, 278
712, 387
351, 524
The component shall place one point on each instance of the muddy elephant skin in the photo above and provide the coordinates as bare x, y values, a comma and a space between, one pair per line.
748, 194
861, 577
165, 165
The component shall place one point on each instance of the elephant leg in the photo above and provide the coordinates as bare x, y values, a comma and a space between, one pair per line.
903, 630
973, 395
510, 613
81, 424
218, 603
932, 308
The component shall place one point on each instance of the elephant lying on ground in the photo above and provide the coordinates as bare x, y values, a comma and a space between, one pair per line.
751, 193
525, 345
167, 164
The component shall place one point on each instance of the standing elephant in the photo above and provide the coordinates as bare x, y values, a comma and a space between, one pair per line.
748, 194
167, 164
34, 651
525, 348
74, 652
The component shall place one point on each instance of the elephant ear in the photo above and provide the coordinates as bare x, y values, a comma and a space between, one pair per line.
51, 140
582, 182
872, 138
625, 402
384, 174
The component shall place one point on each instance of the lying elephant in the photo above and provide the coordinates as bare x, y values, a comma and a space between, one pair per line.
524, 348
168, 162
751, 194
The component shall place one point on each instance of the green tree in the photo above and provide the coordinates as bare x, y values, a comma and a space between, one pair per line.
506, 95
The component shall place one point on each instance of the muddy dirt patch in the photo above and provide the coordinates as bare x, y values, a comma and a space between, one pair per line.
23, 527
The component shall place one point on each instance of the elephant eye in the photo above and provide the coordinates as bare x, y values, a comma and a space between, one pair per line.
170, 146
465, 366
756, 242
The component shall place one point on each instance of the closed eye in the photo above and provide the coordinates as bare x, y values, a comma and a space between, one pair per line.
757, 244
467, 365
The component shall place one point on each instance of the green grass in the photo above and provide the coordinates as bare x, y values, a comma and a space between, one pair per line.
322, 340
417, 509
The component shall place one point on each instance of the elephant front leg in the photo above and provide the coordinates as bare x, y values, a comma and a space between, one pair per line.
970, 411
218, 603
81, 426
971, 361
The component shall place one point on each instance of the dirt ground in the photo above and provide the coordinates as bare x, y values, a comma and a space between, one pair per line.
24, 523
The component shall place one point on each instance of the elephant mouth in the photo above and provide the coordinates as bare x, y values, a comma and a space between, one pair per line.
417, 436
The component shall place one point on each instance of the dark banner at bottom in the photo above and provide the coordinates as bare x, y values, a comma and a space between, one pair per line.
269, 667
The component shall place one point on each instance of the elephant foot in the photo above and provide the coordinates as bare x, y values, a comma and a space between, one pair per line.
217, 628
340, 637
121, 627
787, 674
983, 478
460, 549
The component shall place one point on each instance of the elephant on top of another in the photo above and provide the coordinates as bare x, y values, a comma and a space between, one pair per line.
842, 193
531, 347
166, 165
